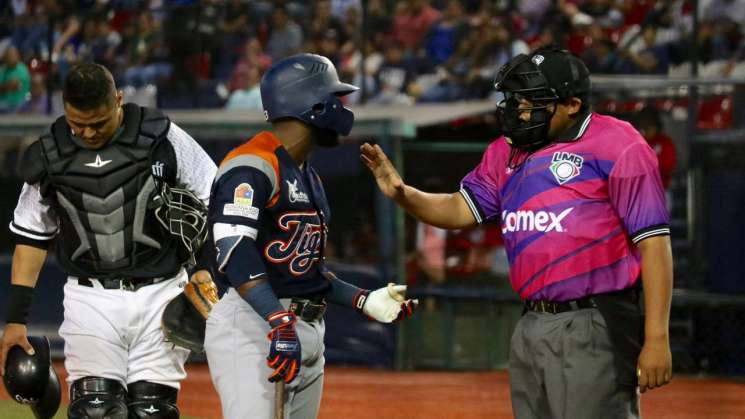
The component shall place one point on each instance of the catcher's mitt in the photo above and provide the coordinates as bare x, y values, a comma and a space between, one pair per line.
184, 318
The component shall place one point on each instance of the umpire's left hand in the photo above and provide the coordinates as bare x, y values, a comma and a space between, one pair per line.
655, 365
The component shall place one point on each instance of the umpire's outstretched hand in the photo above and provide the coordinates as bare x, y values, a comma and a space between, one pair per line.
14, 334
387, 177
655, 365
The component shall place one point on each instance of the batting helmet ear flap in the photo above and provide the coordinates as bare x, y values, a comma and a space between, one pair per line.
31, 379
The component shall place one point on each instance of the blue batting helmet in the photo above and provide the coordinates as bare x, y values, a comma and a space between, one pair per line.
306, 87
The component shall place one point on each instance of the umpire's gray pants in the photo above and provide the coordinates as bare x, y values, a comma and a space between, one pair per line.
561, 367
237, 347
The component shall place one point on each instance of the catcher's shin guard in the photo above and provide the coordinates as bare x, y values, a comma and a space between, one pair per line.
97, 398
148, 400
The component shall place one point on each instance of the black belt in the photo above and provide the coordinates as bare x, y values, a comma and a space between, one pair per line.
555, 307
308, 310
125, 284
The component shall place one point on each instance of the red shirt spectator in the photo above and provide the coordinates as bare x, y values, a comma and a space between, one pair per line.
470, 252
413, 20
666, 155
649, 124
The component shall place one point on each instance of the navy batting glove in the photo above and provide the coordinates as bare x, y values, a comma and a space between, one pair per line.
284, 350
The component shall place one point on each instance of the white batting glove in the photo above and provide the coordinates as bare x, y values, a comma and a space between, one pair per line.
389, 304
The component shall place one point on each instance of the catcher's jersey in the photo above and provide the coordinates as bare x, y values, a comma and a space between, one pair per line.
269, 217
572, 213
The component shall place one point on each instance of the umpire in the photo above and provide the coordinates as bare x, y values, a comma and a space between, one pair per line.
585, 224
99, 188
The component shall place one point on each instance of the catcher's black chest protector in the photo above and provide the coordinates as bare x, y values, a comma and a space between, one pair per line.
104, 198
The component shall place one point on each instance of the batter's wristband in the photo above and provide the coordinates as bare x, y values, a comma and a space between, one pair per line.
19, 303
263, 300
344, 293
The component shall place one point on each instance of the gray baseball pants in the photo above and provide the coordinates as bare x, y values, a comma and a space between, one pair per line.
561, 367
237, 347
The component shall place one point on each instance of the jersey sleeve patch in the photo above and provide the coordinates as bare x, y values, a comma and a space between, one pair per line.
242, 205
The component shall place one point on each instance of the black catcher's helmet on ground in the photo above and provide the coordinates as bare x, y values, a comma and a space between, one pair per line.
31, 379
546, 76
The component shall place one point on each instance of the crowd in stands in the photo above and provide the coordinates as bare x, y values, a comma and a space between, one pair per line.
211, 53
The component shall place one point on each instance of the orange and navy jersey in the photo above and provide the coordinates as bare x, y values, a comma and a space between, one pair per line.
269, 217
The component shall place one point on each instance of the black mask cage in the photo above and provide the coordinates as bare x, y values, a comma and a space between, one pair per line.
525, 89
183, 215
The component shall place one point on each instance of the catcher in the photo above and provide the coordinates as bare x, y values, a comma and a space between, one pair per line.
118, 189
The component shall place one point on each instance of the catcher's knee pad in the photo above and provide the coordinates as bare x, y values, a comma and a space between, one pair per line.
148, 400
97, 398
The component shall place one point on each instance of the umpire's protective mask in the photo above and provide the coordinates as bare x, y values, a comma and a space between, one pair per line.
525, 89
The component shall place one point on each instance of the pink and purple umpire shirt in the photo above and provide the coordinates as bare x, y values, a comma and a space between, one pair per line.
573, 212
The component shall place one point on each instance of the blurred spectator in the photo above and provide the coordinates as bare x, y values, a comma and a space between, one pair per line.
353, 19
236, 27
66, 27
361, 245
535, 13
551, 34
15, 81
285, 37
107, 44
37, 103
470, 254
412, 19
96, 43
324, 23
253, 56
652, 59
489, 46
350, 70
430, 252
601, 57
603, 13
379, 21
649, 124
444, 36
340, 8
449, 55
29, 28
733, 10
328, 44
394, 77
146, 53
249, 96
207, 22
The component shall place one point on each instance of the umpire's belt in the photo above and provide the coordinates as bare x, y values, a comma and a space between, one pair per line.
308, 310
555, 307
124, 284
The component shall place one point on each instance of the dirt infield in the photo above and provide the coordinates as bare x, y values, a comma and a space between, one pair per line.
357, 393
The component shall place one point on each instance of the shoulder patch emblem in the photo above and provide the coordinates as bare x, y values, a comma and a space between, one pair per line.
242, 205
565, 166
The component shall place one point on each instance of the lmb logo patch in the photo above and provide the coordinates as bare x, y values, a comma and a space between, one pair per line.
565, 166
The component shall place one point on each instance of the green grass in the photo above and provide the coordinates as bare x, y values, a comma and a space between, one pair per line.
12, 410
